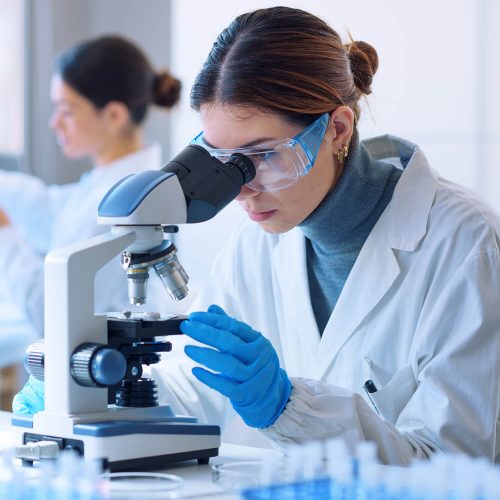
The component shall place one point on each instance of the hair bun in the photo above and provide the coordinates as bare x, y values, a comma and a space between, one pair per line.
364, 64
166, 89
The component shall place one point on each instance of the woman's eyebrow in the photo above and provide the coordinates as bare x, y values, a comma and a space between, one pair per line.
246, 145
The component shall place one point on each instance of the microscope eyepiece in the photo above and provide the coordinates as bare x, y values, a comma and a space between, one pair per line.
243, 164
208, 183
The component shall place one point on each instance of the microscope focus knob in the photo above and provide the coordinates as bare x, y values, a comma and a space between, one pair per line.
34, 360
97, 365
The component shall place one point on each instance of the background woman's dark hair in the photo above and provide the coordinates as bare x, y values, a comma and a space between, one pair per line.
285, 61
111, 68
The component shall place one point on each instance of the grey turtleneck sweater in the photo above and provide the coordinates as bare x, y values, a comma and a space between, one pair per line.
339, 226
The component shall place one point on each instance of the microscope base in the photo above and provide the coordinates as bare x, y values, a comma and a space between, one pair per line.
148, 463
122, 445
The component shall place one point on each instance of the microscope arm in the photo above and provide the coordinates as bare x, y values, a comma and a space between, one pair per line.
70, 319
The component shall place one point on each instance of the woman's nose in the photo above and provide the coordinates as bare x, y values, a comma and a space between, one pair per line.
246, 192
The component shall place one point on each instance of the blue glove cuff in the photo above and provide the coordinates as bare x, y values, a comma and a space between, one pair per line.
287, 390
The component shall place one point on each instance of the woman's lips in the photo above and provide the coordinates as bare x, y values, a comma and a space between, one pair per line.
260, 216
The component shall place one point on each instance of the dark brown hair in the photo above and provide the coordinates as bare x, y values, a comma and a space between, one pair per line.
285, 61
111, 68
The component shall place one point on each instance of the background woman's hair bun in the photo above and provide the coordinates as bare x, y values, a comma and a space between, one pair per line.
166, 89
364, 64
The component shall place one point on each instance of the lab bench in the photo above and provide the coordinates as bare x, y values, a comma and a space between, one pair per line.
197, 478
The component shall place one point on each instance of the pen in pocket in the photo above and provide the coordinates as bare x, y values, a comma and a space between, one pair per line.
370, 387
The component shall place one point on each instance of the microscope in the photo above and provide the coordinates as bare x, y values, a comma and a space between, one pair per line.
97, 402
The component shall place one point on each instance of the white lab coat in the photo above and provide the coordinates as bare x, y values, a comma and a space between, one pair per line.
419, 315
48, 217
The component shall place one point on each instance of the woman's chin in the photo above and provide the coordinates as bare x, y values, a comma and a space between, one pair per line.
274, 226
70, 153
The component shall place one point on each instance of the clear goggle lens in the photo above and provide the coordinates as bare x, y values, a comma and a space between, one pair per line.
277, 164
280, 163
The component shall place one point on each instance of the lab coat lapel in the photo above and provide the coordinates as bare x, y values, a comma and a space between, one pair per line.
372, 275
401, 227
299, 330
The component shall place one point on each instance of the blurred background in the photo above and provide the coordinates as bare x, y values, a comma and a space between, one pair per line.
437, 85
438, 82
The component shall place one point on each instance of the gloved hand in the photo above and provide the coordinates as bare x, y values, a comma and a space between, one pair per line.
247, 366
30, 399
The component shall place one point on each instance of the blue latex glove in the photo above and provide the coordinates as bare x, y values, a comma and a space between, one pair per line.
30, 399
246, 365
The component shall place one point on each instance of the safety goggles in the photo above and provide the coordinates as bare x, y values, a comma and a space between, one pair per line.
279, 163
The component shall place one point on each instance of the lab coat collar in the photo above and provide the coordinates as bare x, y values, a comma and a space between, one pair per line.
147, 158
401, 226
408, 212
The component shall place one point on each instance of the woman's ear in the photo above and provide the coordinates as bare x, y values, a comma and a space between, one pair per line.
117, 115
340, 127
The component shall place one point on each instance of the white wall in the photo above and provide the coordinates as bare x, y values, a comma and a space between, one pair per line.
436, 85
490, 101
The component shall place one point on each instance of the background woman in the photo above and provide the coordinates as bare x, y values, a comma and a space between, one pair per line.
101, 90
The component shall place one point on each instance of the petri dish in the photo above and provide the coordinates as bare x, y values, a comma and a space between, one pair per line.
128, 485
238, 475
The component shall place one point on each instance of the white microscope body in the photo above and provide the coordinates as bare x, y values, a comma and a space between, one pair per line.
83, 355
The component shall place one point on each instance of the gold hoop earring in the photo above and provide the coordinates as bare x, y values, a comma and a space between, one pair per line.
342, 154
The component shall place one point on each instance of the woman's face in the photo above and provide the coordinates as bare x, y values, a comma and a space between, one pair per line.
231, 127
80, 127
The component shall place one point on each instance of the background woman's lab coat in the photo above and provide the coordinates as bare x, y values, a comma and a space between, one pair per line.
419, 315
48, 217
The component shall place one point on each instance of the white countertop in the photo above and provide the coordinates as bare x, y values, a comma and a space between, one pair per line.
197, 478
